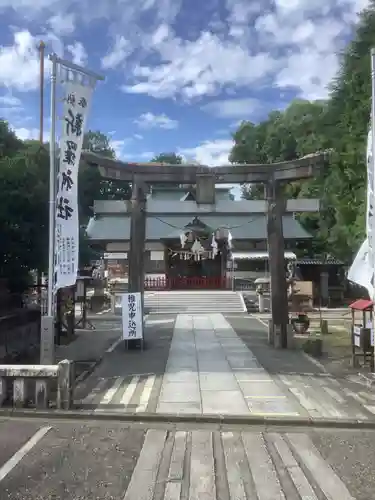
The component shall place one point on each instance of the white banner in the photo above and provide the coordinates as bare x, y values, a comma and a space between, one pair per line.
132, 317
77, 100
361, 271
370, 192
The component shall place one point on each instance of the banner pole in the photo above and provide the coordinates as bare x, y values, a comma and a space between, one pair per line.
372, 187
47, 341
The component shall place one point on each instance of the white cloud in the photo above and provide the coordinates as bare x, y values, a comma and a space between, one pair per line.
149, 120
288, 47
209, 153
19, 63
200, 67
146, 155
233, 108
277, 43
138, 136
62, 24
9, 100
26, 134
121, 49
78, 52
118, 147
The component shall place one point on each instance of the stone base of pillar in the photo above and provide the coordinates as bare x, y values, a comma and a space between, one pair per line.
270, 332
290, 337
277, 337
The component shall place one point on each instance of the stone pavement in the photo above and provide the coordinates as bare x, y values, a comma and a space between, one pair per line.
204, 365
211, 371
41, 460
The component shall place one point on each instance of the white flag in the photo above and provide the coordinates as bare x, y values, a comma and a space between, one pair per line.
77, 99
362, 269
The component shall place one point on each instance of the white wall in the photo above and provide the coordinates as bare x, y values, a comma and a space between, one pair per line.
125, 246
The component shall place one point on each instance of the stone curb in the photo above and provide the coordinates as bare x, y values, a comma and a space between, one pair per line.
83, 376
159, 418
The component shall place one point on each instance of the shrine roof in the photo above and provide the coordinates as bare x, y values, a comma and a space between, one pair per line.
158, 227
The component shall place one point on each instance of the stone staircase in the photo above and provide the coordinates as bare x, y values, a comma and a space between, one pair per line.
196, 302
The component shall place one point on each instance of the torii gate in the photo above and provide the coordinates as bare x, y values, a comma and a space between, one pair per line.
271, 175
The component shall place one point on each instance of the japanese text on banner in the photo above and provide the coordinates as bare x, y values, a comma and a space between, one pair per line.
76, 105
132, 317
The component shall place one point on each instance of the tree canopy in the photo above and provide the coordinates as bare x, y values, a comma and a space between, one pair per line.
91, 185
170, 158
24, 187
340, 123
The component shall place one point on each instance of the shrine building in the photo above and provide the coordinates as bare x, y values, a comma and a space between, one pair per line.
190, 245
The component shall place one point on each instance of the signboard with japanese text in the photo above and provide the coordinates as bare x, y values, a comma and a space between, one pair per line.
132, 317
77, 99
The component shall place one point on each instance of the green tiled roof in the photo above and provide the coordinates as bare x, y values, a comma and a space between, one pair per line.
246, 227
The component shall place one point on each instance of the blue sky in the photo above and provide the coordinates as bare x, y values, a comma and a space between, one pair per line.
180, 74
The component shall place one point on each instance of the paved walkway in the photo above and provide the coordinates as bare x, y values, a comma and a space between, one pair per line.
204, 365
210, 370
104, 460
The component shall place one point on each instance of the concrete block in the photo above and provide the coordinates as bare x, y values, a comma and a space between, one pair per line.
270, 332
290, 337
224, 402
179, 408
218, 381
179, 392
272, 406
3, 390
65, 385
277, 337
41, 393
19, 392
181, 377
263, 388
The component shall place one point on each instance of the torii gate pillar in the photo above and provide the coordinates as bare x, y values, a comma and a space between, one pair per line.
276, 250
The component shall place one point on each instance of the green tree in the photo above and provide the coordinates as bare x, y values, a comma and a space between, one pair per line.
169, 158
91, 185
9, 142
23, 212
282, 136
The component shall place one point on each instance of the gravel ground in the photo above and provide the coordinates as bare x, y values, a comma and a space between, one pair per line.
275, 361
352, 456
78, 460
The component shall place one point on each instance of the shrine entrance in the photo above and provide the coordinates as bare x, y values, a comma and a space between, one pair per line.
197, 259
187, 270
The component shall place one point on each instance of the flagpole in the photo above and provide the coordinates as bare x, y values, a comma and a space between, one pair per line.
47, 341
371, 229
52, 188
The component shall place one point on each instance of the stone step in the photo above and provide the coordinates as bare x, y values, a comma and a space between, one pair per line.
194, 302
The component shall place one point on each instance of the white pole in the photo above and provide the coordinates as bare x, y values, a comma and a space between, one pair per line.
371, 229
52, 191
47, 343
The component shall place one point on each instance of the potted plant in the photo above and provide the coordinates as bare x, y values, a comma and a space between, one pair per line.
301, 323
